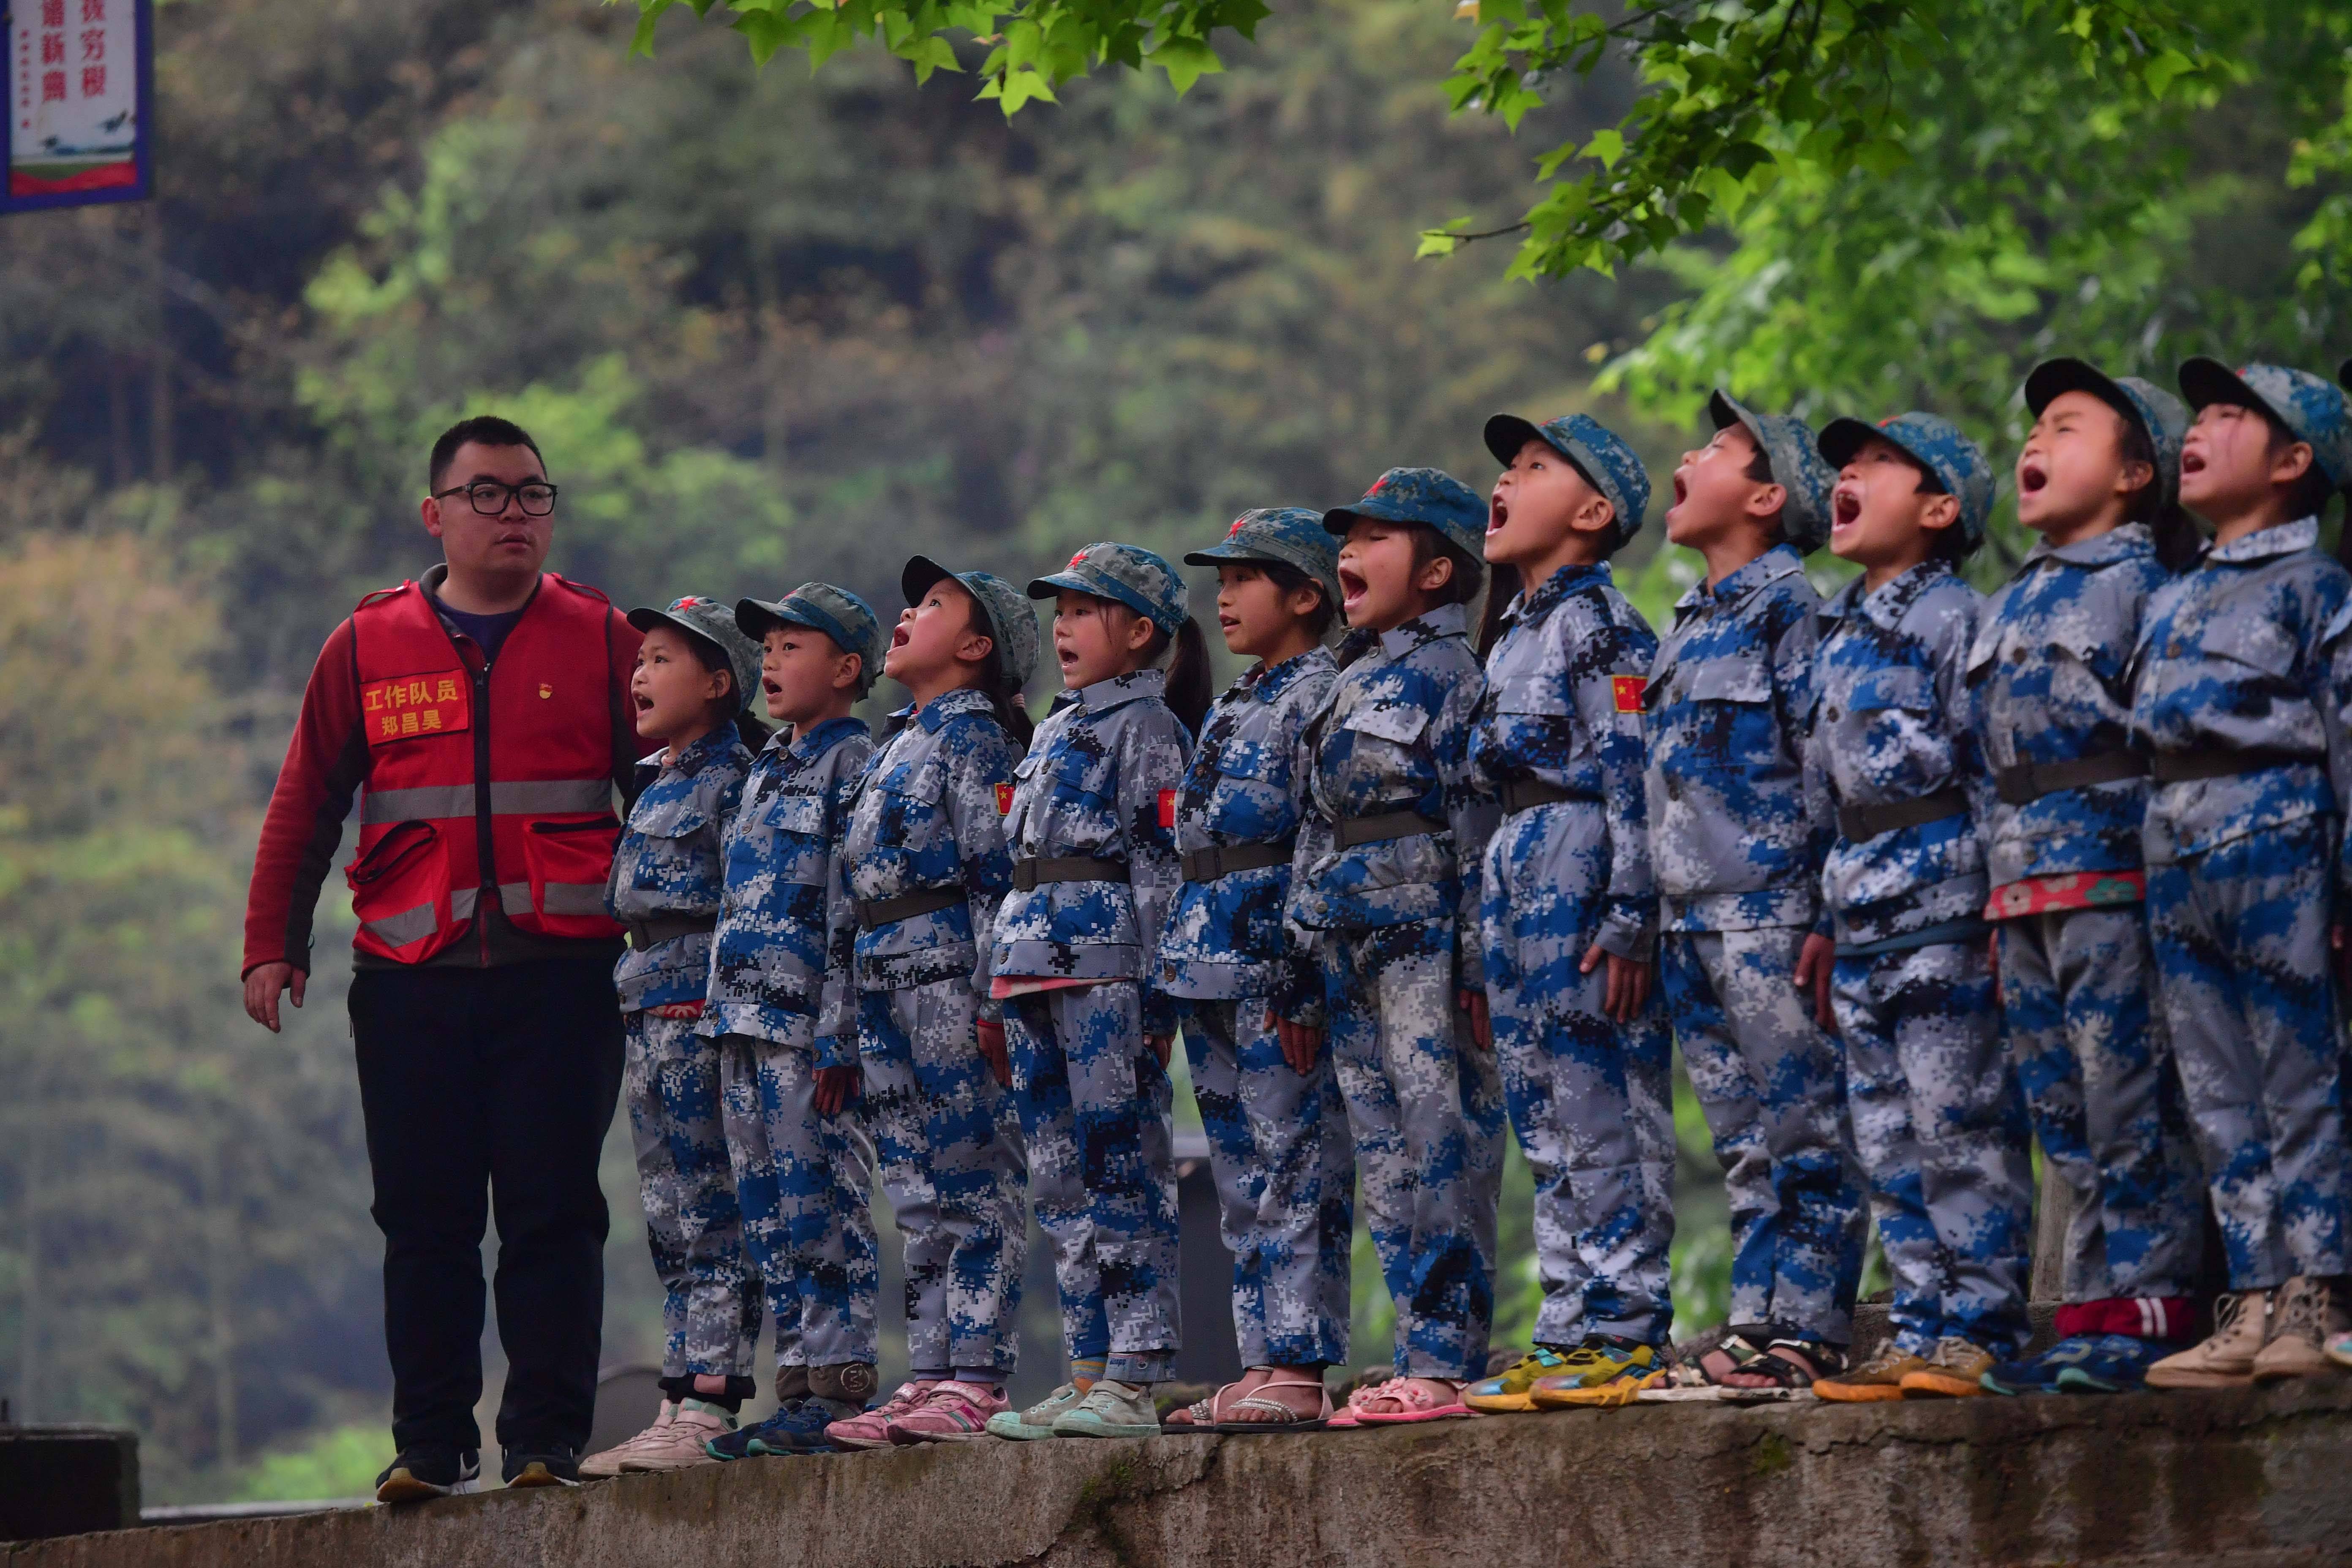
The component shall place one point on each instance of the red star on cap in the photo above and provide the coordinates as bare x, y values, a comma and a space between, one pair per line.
1378, 485
689, 602
1081, 556
1237, 527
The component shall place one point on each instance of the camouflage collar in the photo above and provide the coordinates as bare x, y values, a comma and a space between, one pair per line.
1266, 682
1445, 621
1885, 608
698, 756
945, 706
2127, 542
1105, 695
818, 742
1530, 602
1780, 560
2284, 539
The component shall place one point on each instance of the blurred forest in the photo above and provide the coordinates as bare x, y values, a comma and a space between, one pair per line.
768, 327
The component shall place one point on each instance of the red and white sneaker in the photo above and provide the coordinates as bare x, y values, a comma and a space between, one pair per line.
955, 1413
872, 1429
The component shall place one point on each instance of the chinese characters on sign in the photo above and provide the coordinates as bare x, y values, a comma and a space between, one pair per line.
79, 80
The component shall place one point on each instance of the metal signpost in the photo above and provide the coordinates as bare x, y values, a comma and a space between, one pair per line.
81, 88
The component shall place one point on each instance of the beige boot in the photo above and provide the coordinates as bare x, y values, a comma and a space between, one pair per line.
2241, 1319
2311, 1312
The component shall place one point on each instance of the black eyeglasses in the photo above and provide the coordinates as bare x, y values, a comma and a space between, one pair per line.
490, 497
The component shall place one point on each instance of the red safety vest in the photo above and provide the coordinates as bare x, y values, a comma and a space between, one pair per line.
483, 782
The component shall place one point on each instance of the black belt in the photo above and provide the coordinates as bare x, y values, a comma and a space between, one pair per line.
1526, 795
874, 913
1027, 874
2179, 767
1861, 822
2025, 782
1355, 830
1224, 860
643, 935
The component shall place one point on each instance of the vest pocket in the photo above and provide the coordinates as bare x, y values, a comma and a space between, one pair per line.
400, 891
569, 864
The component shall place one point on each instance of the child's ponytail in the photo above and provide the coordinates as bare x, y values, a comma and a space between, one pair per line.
754, 732
1004, 700
1189, 691
2174, 531
1502, 587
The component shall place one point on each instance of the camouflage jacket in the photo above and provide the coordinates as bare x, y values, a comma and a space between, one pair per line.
778, 955
929, 814
668, 865
1394, 737
2233, 656
1891, 724
1100, 780
1563, 707
1225, 938
2048, 676
1735, 841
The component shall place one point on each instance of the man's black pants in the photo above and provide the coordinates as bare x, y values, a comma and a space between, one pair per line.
487, 1086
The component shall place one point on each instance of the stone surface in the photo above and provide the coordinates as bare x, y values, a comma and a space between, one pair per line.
2238, 1478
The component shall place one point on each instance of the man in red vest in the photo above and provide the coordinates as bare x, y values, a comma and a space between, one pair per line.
479, 716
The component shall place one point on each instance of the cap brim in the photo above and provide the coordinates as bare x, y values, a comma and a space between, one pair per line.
1228, 551
645, 618
1841, 438
753, 617
1507, 434
2207, 381
2054, 378
919, 575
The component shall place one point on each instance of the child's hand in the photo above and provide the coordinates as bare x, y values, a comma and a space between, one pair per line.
837, 1089
1482, 1029
1163, 1047
1813, 974
261, 989
991, 1051
1629, 983
1302, 1044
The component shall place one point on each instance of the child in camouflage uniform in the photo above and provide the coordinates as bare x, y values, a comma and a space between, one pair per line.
926, 862
1738, 850
788, 1062
1278, 1128
1570, 916
696, 674
2238, 699
2097, 476
1092, 831
1937, 1119
1384, 887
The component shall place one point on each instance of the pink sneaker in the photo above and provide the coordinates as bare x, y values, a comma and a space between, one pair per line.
955, 1413
872, 1429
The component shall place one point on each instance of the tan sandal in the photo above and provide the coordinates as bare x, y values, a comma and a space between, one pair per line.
1202, 1414
1283, 1418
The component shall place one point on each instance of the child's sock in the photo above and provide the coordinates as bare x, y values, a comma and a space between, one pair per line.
930, 1375
1087, 1370
2141, 1317
729, 1398
986, 1377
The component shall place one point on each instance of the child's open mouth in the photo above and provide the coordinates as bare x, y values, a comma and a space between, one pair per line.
1499, 513
1682, 487
1352, 586
768, 688
1845, 509
645, 704
2029, 477
2192, 462
1229, 622
898, 638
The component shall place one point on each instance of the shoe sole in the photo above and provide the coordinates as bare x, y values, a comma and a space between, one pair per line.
859, 1445
2268, 1374
1018, 1431
660, 1467
1500, 1404
1939, 1386
2181, 1379
535, 1477
402, 1486
916, 1439
2073, 1380
1106, 1430
1858, 1393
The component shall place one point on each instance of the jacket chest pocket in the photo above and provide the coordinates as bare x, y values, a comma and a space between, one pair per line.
1243, 794
2251, 642
798, 845
667, 829
1382, 760
1725, 708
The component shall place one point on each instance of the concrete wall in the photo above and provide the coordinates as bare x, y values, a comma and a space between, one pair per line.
2239, 1478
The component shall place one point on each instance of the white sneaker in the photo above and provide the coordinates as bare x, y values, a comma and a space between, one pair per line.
604, 1466
677, 1445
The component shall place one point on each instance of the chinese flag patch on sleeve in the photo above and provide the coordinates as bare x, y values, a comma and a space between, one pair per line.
1167, 809
1004, 800
1628, 689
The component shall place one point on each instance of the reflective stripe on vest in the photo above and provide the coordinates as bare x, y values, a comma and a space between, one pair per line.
540, 797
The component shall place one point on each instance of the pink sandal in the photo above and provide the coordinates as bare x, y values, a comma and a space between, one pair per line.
1413, 1401
1351, 1412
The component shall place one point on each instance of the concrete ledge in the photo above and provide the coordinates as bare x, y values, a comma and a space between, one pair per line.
2242, 1478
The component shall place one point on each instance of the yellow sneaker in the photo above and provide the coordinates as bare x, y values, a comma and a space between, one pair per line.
1955, 1370
1506, 1393
1605, 1370
1875, 1381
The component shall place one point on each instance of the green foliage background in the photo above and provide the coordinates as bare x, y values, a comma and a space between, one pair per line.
773, 326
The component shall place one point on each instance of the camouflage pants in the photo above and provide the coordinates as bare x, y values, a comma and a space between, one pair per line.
2241, 935
804, 1181
1940, 1128
1770, 1083
1285, 1185
952, 1164
1425, 1110
1592, 1100
710, 1314
2078, 990
1096, 1111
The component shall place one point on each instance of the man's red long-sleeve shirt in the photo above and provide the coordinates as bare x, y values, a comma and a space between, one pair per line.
326, 764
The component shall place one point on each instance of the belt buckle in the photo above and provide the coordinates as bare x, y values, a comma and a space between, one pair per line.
1024, 876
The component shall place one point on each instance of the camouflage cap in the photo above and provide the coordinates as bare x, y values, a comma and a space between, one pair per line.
1129, 574
2161, 417
2305, 405
1937, 444
839, 614
1598, 453
714, 622
1011, 622
1289, 534
1787, 443
1427, 495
